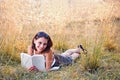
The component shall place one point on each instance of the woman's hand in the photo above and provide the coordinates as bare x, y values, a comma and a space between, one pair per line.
33, 68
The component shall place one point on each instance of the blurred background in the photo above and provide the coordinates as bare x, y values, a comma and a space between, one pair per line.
93, 23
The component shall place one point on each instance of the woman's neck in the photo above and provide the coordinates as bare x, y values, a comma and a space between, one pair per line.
36, 52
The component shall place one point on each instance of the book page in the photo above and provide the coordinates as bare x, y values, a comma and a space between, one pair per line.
39, 62
26, 60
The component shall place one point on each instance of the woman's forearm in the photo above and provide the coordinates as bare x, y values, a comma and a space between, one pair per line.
30, 50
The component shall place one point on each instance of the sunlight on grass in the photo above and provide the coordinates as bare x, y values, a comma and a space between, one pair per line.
92, 64
110, 46
68, 27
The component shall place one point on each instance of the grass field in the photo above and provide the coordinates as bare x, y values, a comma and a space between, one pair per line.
102, 61
101, 37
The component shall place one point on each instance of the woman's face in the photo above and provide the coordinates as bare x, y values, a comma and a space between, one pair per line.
40, 44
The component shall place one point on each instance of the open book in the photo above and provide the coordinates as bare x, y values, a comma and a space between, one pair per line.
28, 61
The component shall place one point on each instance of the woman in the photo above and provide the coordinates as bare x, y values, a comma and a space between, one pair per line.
42, 43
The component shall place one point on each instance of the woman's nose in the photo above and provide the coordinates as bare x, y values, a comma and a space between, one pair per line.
41, 45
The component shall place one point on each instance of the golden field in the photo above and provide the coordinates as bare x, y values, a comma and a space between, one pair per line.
93, 23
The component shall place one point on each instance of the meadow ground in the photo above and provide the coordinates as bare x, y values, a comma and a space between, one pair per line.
102, 61
99, 36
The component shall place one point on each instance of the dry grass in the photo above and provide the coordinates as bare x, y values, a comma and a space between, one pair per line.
97, 28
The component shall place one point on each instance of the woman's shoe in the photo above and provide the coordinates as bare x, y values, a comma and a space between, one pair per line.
81, 47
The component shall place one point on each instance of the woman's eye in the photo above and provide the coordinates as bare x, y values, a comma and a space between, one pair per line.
40, 42
45, 43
